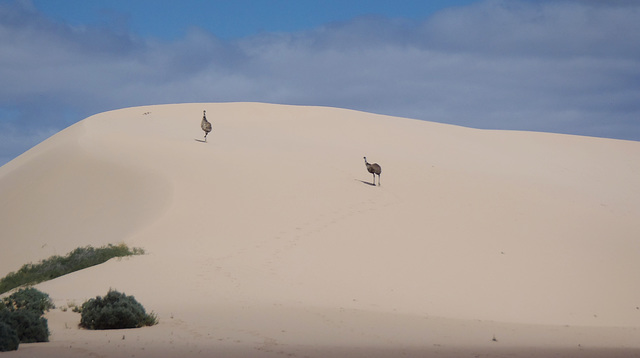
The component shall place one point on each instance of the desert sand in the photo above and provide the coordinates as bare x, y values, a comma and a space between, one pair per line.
269, 239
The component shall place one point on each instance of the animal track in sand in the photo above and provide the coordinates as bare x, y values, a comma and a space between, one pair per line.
268, 253
292, 238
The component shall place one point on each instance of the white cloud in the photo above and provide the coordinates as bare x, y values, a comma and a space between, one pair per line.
562, 66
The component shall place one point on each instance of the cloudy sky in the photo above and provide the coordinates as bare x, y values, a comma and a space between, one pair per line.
566, 66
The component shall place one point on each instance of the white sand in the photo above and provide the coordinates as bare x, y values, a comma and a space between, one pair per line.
269, 241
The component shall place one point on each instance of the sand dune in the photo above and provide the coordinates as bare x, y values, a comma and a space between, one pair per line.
269, 239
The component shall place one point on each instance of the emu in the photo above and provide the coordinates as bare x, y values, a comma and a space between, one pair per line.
373, 169
205, 124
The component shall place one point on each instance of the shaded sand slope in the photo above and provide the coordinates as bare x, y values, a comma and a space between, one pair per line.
58, 196
270, 239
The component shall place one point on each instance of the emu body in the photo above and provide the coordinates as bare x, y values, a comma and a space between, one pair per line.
205, 125
374, 169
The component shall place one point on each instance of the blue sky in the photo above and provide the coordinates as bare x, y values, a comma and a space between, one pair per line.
565, 66
229, 19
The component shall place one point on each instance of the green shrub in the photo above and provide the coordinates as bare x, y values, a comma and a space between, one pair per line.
29, 325
57, 266
22, 312
9, 340
28, 299
115, 311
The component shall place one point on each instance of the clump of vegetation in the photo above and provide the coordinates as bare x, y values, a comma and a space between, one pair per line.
57, 266
21, 318
115, 311
71, 305
28, 299
28, 325
9, 340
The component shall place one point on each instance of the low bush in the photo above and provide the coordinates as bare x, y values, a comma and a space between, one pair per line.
29, 325
57, 266
22, 313
9, 340
115, 311
28, 299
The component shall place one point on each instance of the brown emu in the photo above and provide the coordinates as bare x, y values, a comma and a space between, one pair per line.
373, 169
205, 124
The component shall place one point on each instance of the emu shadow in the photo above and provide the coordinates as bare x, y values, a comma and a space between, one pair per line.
199, 140
366, 182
